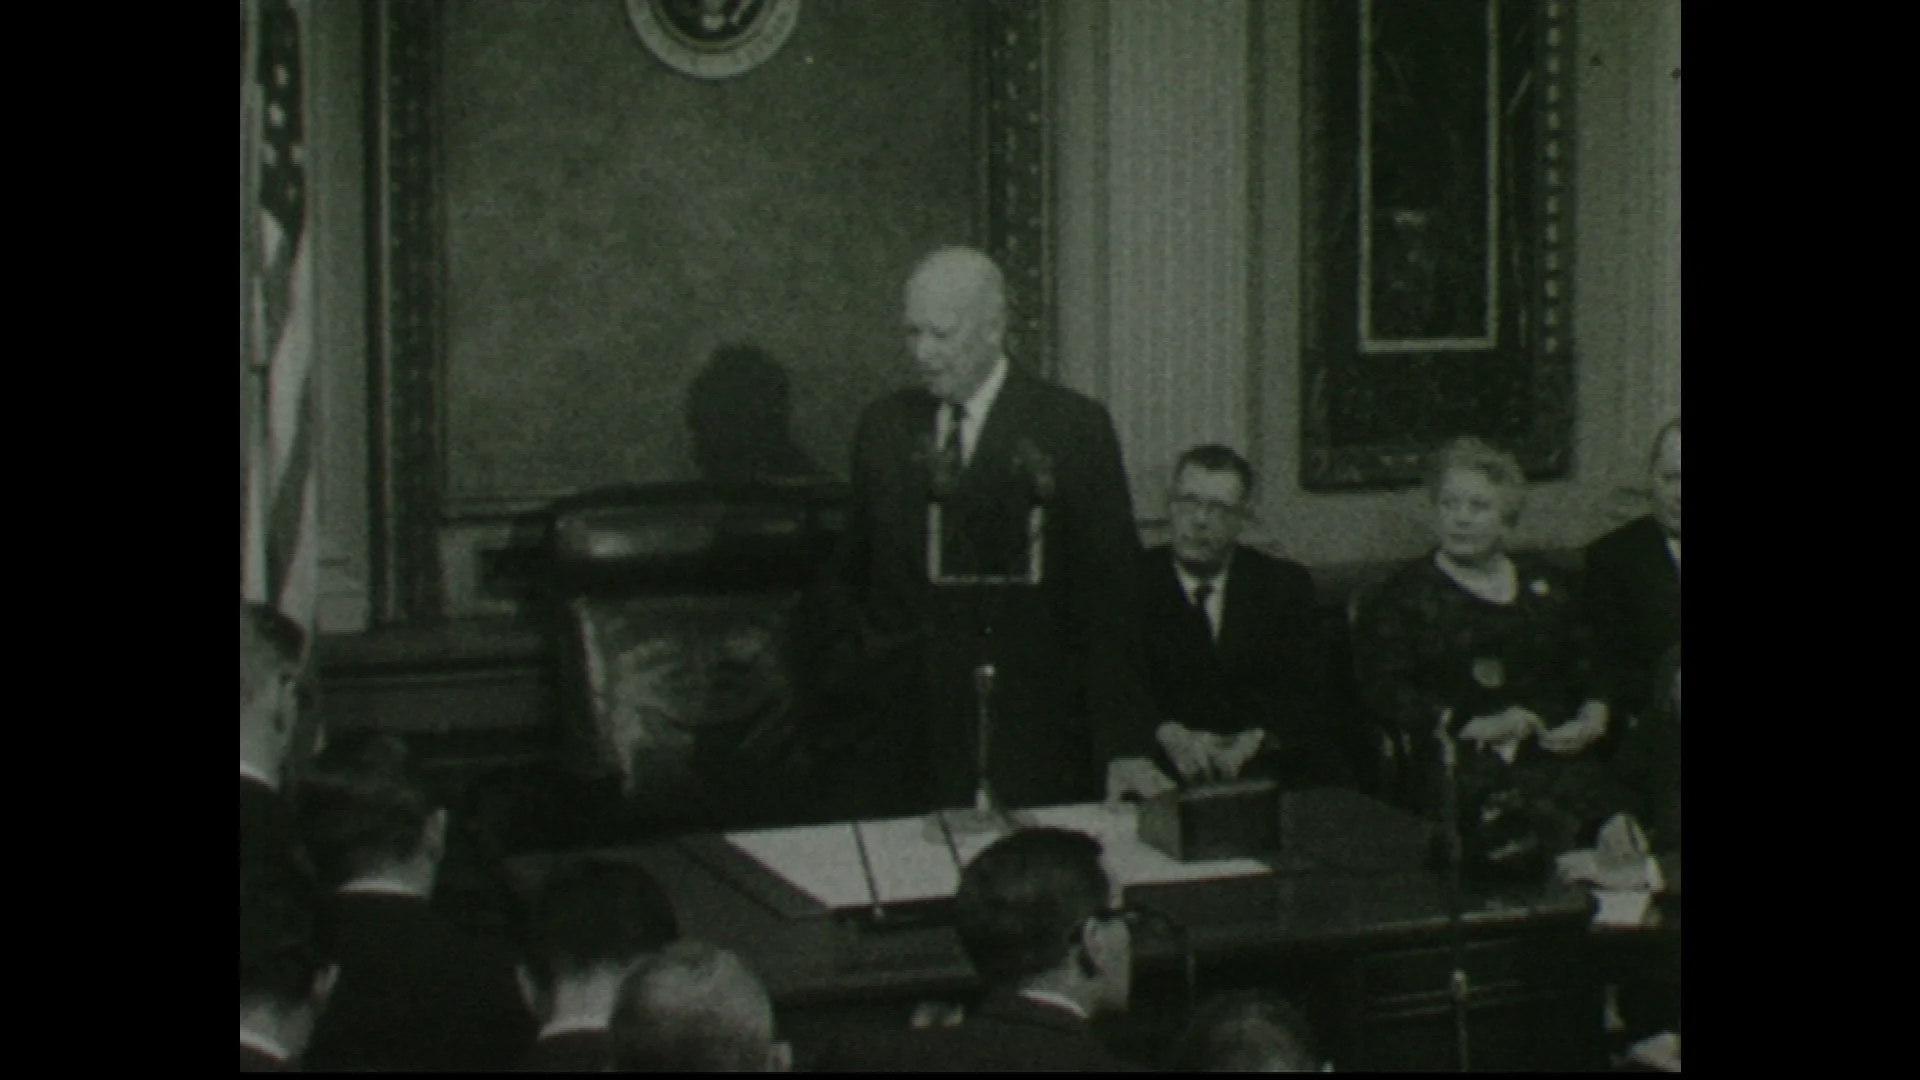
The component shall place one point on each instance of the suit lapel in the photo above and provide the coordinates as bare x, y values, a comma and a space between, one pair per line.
1233, 606
1179, 606
996, 443
983, 518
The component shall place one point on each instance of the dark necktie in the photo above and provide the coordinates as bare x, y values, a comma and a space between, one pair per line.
1202, 594
954, 449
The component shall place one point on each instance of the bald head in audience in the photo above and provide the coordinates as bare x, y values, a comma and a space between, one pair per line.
692, 1007
1248, 1031
272, 649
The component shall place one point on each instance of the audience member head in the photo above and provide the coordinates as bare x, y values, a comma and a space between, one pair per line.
284, 977
1212, 487
693, 1008
1247, 1031
956, 320
1666, 476
1478, 493
1037, 910
592, 921
272, 649
369, 814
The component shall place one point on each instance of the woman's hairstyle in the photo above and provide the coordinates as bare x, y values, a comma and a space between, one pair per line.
1474, 455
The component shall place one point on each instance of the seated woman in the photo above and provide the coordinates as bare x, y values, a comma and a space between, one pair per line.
1494, 645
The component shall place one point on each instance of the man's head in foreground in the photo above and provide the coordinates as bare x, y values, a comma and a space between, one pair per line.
694, 1008
1038, 912
1247, 1031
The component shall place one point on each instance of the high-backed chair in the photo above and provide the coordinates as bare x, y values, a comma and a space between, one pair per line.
680, 663
1396, 762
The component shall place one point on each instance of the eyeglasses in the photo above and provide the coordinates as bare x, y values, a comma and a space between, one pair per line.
1137, 919
1197, 506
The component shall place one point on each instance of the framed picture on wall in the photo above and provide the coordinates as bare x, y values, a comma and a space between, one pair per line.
1438, 212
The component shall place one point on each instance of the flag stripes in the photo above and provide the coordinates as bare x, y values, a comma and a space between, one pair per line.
280, 558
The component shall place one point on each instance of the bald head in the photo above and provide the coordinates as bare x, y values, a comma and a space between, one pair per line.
956, 315
1666, 476
965, 273
693, 1008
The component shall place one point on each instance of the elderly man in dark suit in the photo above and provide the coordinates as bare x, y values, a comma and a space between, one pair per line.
284, 978
593, 921
1045, 927
415, 993
1235, 661
1633, 588
989, 443
271, 655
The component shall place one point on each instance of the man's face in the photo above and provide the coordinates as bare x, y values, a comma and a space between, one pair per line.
1666, 483
952, 336
1208, 511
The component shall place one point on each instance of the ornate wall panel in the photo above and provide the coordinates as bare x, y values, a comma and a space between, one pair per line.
1438, 216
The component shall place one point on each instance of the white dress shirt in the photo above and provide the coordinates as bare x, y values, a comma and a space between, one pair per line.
977, 408
1058, 1001
1673, 549
376, 886
568, 1025
1217, 602
253, 1040
258, 776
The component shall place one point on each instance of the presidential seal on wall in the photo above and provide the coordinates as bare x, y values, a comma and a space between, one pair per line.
713, 39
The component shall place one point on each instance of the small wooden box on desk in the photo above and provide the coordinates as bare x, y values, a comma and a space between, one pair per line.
1228, 820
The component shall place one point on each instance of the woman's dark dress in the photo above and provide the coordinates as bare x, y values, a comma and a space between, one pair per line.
1425, 645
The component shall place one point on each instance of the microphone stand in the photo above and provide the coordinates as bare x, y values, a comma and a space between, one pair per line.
1458, 986
985, 815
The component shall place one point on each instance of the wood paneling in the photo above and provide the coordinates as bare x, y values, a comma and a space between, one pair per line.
1176, 127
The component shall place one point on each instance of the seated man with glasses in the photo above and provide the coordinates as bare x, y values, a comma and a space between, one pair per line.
1235, 657
1043, 923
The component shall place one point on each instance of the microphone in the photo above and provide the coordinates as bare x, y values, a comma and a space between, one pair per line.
1037, 467
1457, 985
983, 692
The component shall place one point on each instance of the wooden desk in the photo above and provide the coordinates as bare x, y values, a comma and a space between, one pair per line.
1352, 923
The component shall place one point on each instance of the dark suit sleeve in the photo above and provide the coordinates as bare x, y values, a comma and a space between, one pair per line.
1106, 547
1605, 602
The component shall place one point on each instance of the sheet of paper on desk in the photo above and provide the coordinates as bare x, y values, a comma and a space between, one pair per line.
911, 862
1133, 862
819, 860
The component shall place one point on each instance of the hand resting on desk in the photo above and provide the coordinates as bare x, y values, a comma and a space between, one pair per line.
1138, 777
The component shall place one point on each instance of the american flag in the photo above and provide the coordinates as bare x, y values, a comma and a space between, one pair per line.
279, 543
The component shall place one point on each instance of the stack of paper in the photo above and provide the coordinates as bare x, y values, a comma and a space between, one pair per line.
908, 859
